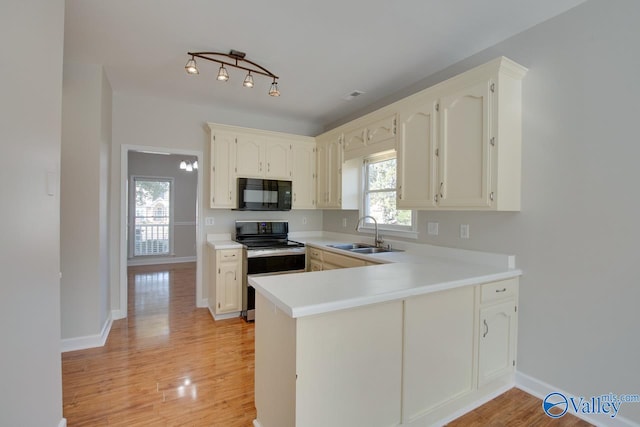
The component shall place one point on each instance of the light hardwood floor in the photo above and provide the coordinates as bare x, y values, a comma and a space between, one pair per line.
170, 364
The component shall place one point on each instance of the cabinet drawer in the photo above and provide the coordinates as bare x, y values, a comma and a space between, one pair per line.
343, 261
315, 253
498, 290
229, 255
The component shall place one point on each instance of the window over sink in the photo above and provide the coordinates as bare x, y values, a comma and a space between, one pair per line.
380, 195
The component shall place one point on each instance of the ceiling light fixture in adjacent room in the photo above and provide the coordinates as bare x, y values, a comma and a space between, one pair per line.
234, 59
188, 165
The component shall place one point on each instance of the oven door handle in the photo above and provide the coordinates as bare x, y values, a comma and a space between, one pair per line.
275, 272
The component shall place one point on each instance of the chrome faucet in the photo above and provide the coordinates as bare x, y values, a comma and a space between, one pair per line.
378, 240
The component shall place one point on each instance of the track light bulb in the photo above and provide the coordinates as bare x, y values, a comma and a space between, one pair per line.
273, 91
223, 76
191, 66
248, 81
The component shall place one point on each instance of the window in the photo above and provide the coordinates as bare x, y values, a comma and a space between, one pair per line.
380, 194
152, 221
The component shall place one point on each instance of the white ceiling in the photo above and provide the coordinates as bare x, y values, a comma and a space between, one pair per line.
321, 50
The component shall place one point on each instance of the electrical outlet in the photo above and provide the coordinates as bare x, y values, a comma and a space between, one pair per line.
464, 231
344, 222
209, 220
432, 228
304, 220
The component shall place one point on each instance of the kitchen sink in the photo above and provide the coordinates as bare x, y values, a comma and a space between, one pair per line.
352, 246
361, 248
369, 250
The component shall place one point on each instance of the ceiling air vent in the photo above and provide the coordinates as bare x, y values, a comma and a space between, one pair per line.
350, 96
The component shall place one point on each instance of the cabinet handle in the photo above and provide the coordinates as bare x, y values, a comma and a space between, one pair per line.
229, 195
260, 166
491, 196
486, 328
268, 167
441, 186
400, 192
294, 197
501, 290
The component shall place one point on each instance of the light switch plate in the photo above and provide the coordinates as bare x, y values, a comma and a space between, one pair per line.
432, 228
209, 220
464, 231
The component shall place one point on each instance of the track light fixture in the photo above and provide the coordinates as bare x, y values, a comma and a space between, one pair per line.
235, 59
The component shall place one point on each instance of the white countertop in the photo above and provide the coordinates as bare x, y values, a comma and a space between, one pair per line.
421, 269
222, 241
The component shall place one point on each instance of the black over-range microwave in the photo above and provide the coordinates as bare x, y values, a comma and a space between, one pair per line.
263, 195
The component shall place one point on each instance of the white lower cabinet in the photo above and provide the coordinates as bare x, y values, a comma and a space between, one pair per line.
319, 260
225, 281
413, 362
497, 335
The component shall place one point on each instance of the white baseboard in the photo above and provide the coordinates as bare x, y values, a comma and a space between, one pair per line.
202, 303
62, 423
474, 405
224, 316
160, 260
540, 389
118, 314
89, 341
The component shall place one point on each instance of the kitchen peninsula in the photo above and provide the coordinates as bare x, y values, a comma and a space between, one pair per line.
415, 341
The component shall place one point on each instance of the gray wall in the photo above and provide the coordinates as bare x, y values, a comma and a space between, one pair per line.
30, 127
86, 143
185, 196
575, 238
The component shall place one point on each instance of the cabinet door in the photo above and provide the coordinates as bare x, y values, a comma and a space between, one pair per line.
249, 157
303, 175
382, 130
334, 174
464, 148
278, 160
497, 341
355, 139
329, 172
223, 180
229, 292
416, 155
315, 265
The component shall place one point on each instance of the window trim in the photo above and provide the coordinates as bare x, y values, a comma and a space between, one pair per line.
389, 229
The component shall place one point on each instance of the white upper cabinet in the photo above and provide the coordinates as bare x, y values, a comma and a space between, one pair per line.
278, 159
303, 167
329, 171
249, 156
464, 152
416, 164
372, 134
459, 145
222, 178
262, 157
251, 153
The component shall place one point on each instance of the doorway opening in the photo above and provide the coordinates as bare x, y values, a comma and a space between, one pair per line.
159, 211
